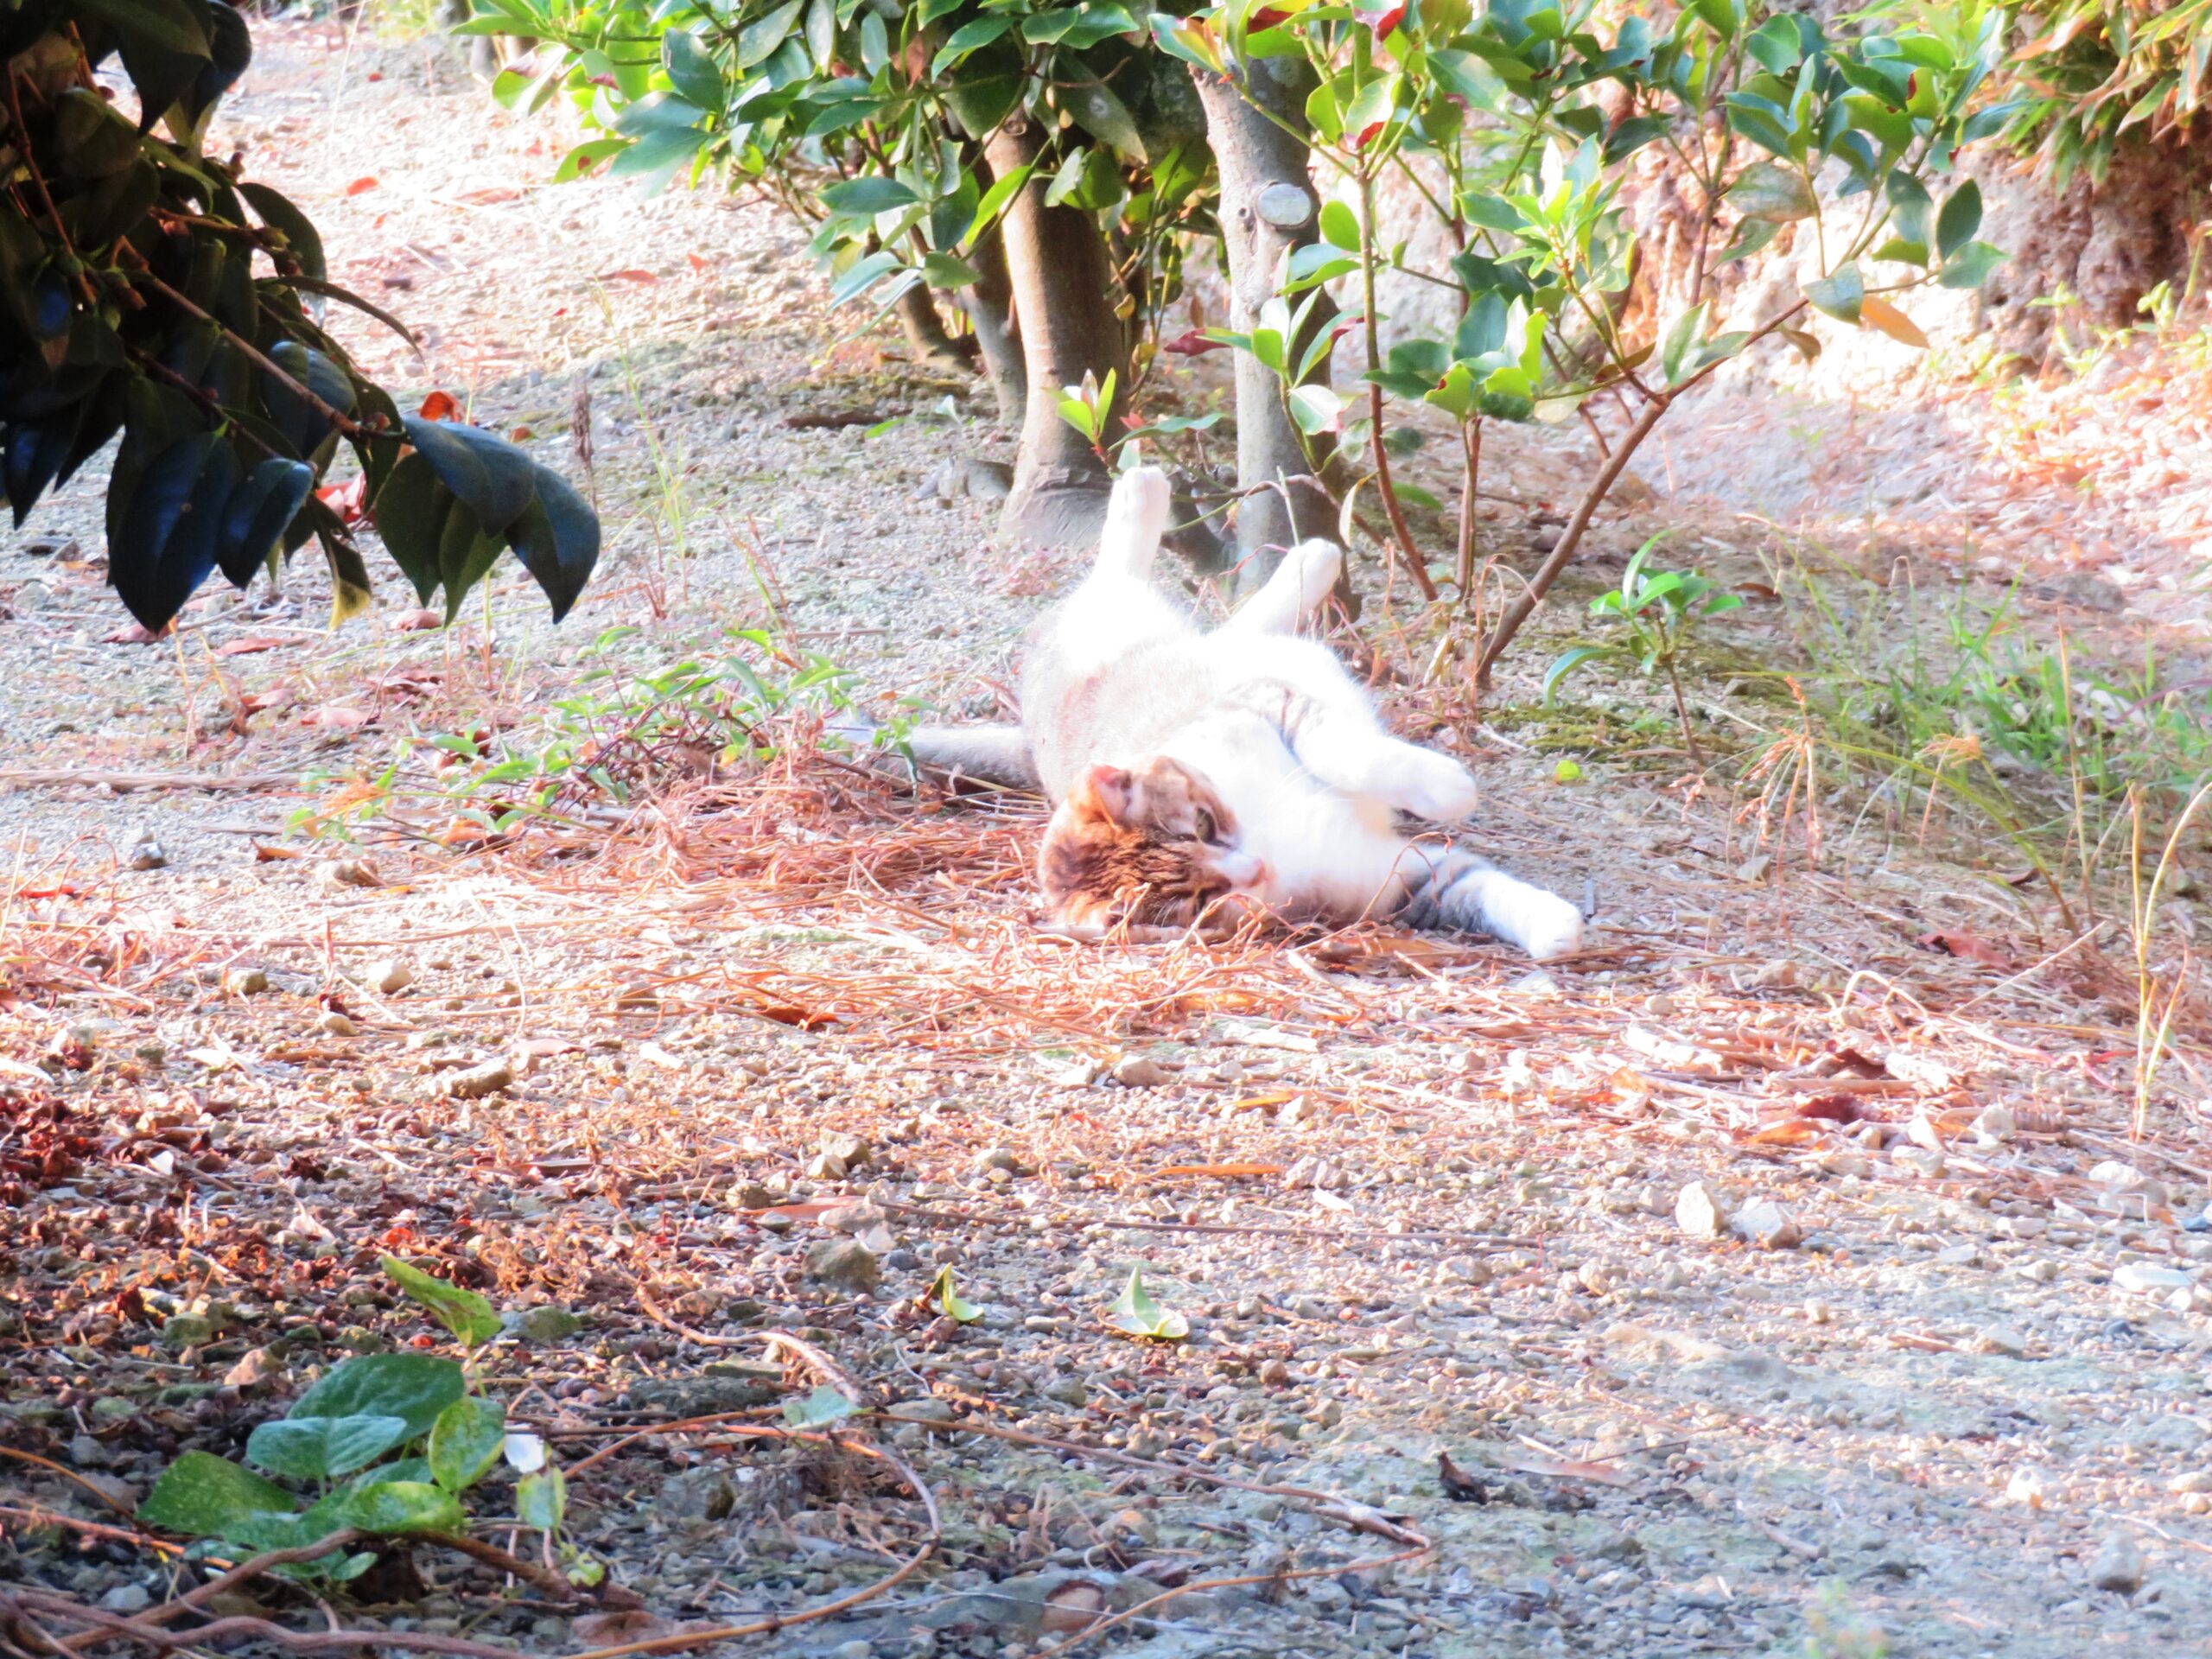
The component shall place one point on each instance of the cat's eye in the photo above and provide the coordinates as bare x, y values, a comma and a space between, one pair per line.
1207, 828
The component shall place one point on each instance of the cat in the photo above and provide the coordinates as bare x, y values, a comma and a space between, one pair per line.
1198, 777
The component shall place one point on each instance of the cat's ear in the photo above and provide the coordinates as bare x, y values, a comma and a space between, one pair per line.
1105, 793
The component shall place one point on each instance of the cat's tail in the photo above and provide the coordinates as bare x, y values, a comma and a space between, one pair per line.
1449, 889
996, 755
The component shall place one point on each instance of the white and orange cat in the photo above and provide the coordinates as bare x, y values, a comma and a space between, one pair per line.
1196, 776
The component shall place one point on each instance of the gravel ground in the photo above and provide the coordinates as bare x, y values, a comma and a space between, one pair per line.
1774, 1284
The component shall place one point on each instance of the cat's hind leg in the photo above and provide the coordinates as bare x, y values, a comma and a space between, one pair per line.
1301, 582
1136, 518
1450, 888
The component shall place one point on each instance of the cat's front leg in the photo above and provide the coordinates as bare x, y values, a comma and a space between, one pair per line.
1352, 756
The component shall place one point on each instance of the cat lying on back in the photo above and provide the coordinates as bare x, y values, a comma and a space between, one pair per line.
1196, 775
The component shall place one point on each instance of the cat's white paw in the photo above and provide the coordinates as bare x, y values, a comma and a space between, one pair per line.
1317, 563
1545, 924
1440, 789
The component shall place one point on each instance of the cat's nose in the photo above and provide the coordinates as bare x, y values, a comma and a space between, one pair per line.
1243, 869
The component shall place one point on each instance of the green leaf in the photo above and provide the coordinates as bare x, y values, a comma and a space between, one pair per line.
402, 1506
1839, 294
416, 1387
557, 540
1567, 663
466, 1315
320, 1448
947, 270
1751, 236
981, 31
466, 1441
1969, 268
204, 1495
171, 25
866, 197
1769, 191
759, 39
1340, 226
277, 214
1675, 351
692, 70
491, 477
993, 203
542, 1499
943, 1297
1960, 220
819, 1409
1099, 112
1316, 409
1135, 1313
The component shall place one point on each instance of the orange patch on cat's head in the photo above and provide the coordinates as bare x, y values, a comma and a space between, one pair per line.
1149, 843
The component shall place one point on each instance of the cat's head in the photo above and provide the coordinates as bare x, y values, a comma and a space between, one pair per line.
1149, 843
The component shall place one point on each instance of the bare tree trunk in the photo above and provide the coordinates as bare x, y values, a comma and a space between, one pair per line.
1266, 208
990, 309
925, 331
1064, 289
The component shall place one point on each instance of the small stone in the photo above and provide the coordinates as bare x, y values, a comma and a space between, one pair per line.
845, 1263
2118, 1566
188, 1331
1995, 1125
1842, 1161
1923, 1132
389, 977
853, 1649
254, 1367
146, 854
2001, 1340
1918, 1160
1276, 1373
999, 1158
1138, 1071
127, 1599
1595, 1277
2197, 1480
2197, 1504
1767, 1224
2148, 1278
343, 873
1700, 1212
698, 1495
1756, 869
493, 1077
334, 1024
2030, 1486
1958, 1256
245, 981
1068, 1391
850, 1150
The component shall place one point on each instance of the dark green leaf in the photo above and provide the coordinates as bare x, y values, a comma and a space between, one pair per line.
410, 511
558, 540
175, 25
258, 514
277, 214
416, 1387
1960, 220
1771, 191
761, 38
965, 40
403, 1506
320, 1448
692, 70
868, 196
465, 1442
1102, 114
490, 476
204, 1495
1970, 266
1839, 295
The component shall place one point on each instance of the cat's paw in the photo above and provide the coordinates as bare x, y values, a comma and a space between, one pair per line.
1544, 925
1136, 518
1317, 563
1438, 789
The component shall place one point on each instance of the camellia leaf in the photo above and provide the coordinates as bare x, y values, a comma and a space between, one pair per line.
403, 1506
490, 476
819, 1409
466, 1441
558, 540
1137, 1314
416, 1387
1970, 266
1960, 220
468, 1315
319, 1448
1880, 313
1769, 191
204, 1495
946, 1301
1840, 295
541, 1500
866, 197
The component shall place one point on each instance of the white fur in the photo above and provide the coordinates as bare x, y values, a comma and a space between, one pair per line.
1287, 737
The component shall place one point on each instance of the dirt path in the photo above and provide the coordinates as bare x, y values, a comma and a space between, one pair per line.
1951, 1395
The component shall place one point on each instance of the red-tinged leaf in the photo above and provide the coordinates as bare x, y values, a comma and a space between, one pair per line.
439, 406
415, 621
1222, 1171
349, 500
251, 644
1968, 945
521, 435
1366, 136
697, 263
263, 853
1789, 1132
1838, 1107
1459, 1485
1269, 17
362, 186
1192, 344
805, 1210
1383, 21
631, 276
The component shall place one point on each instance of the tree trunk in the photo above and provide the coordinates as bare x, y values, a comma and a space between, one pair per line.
1266, 209
924, 332
1064, 289
990, 309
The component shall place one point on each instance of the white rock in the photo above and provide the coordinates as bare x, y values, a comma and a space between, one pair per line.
1995, 1124
2118, 1566
1138, 1071
389, 977
1918, 1160
2148, 1279
2030, 1486
2197, 1480
1767, 1224
1700, 1212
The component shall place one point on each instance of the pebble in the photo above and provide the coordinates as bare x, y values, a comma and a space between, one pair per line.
1842, 1161
1919, 1161
846, 1264
2197, 1480
334, 1024
146, 853
1994, 1125
1756, 869
389, 977
1767, 1224
341, 873
245, 981
1700, 1212
1138, 1071
490, 1078
1068, 1391
2118, 1566
127, 1599
999, 1158
2148, 1278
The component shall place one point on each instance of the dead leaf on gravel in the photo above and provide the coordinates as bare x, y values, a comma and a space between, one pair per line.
1535, 1463
1074, 1606
1222, 1171
362, 186
439, 406
631, 276
1789, 1132
619, 1628
264, 854
1972, 947
339, 717
1459, 1485
250, 644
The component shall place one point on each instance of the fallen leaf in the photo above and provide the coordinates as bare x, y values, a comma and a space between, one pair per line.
130, 634
1892, 321
697, 263
1970, 946
264, 854
1789, 1132
631, 276
349, 500
361, 186
250, 644
1459, 1485
1192, 344
1222, 1171
339, 717
415, 621
1071, 1607
439, 406
1535, 1463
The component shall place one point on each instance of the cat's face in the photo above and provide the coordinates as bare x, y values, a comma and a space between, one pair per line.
1150, 843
